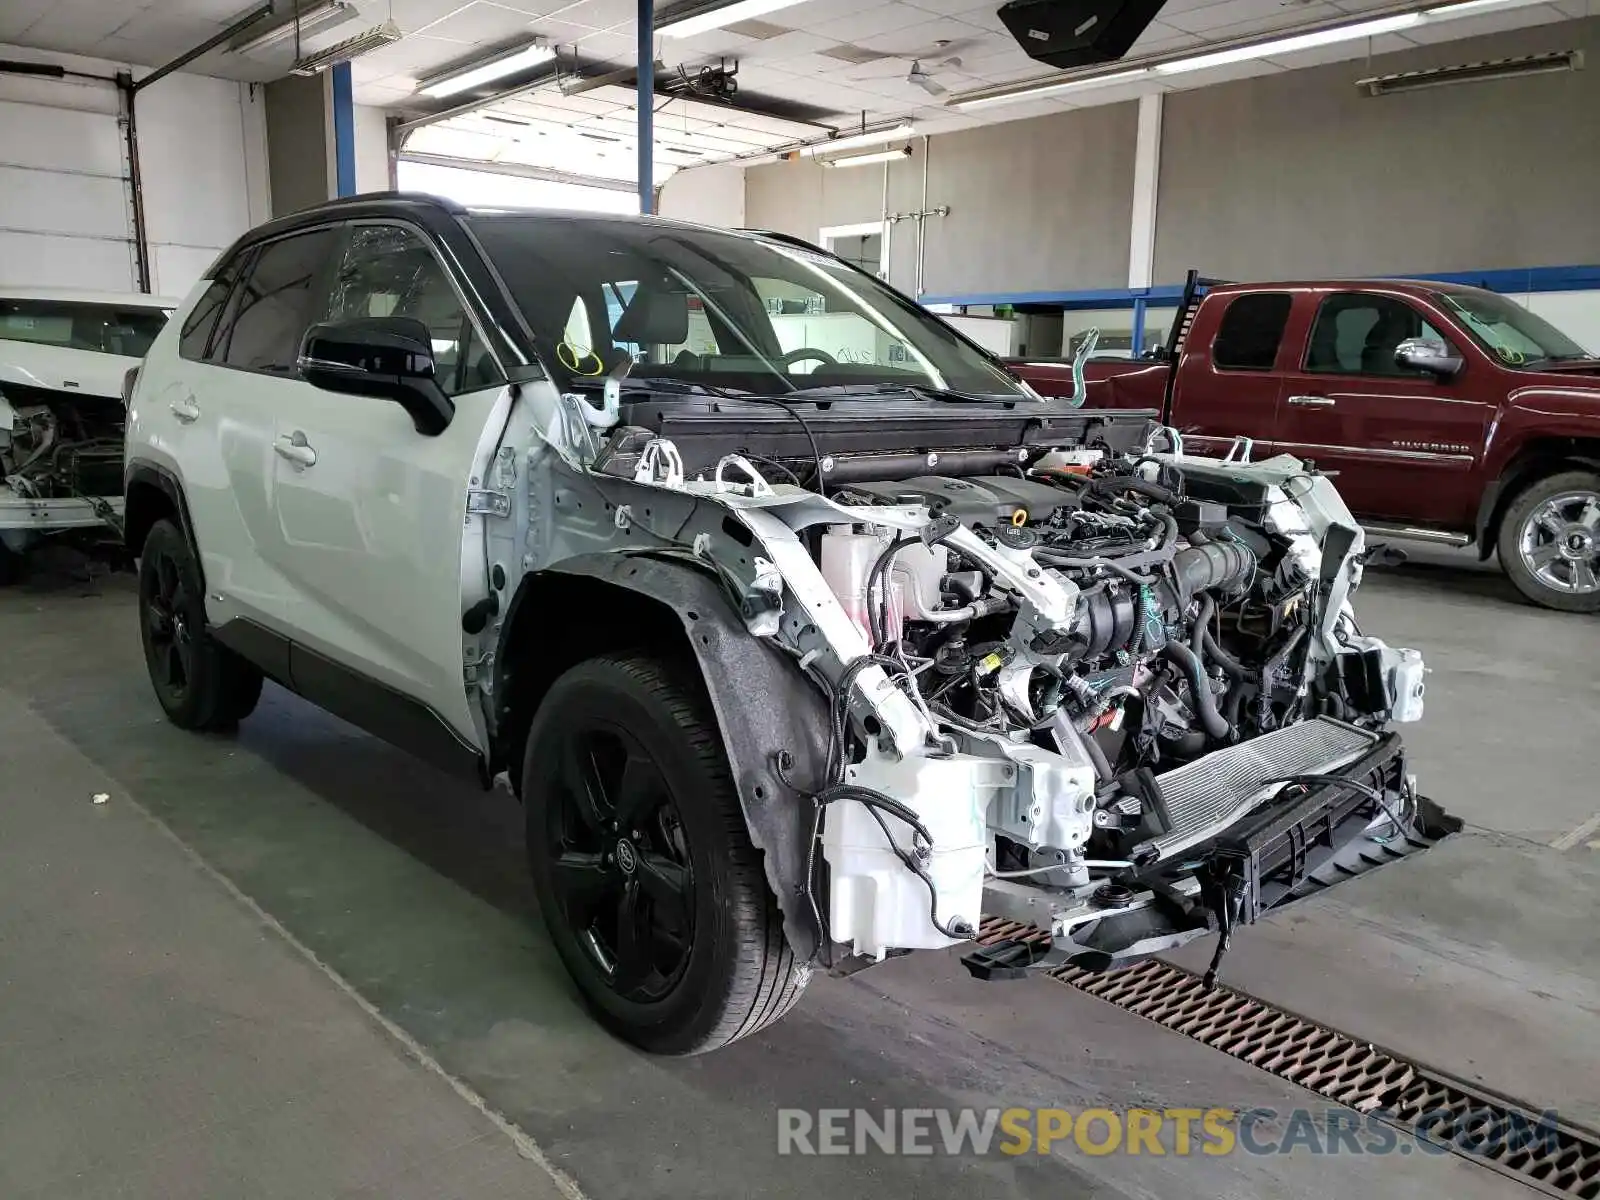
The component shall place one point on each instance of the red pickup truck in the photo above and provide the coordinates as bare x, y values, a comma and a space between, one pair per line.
1447, 413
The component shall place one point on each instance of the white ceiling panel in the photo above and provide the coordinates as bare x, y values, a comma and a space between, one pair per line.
1448, 31
478, 22
1253, 14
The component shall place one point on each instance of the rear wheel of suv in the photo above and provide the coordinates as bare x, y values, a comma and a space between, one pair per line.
654, 896
1550, 542
200, 683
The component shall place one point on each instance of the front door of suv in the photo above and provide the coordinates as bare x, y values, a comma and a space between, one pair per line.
371, 513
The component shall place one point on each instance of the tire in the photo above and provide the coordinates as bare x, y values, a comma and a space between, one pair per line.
201, 684
1549, 541
706, 961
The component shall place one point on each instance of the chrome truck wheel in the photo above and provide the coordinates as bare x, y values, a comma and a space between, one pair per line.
1550, 542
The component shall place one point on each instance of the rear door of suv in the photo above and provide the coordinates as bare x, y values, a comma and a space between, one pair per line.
209, 414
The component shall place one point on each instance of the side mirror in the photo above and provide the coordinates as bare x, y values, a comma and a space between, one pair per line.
386, 358
1425, 354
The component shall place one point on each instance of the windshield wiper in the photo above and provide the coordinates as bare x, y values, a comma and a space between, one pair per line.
917, 391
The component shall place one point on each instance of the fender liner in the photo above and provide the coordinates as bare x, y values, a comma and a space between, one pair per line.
163, 480
764, 704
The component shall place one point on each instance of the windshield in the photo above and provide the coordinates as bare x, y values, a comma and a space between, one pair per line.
720, 310
127, 330
1510, 332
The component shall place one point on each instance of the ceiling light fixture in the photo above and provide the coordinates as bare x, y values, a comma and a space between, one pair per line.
1475, 6
312, 19
863, 160
856, 140
462, 78
1499, 68
352, 47
1051, 89
1290, 45
715, 18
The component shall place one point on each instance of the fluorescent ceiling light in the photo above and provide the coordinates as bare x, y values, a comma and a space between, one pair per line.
1474, 6
1500, 68
716, 18
352, 47
496, 68
862, 160
311, 19
1289, 45
857, 140
1051, 89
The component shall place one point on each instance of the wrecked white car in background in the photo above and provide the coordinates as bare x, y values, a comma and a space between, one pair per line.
805, 632
64, 358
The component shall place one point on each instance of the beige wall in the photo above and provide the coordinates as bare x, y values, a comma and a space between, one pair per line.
1302, 174
1036, 205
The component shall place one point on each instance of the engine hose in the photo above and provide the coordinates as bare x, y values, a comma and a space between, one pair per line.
1230, 665
1097, 757
1204, 643
1235, 703
1124, 564
1131, 483
1204, 701
877, 615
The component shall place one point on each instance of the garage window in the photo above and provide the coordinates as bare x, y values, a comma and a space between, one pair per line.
101, 328
278, 302
1251, 331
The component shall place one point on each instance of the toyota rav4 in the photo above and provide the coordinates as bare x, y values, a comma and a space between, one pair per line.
806, 634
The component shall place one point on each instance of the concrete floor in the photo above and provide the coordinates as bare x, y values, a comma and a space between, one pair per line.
295, 963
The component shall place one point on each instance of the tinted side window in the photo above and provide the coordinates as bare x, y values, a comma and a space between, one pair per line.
1357, 334
389, 271
194, 339
279, 299
1251, 330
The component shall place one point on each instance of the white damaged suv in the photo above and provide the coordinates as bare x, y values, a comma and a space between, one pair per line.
65, 357
805, 633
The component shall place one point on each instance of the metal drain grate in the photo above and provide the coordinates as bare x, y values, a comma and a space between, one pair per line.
1552, 1157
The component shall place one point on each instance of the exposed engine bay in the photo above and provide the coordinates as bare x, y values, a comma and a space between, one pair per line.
55, 445
1112, 693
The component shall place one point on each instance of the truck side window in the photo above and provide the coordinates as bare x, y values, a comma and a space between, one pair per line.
1251, 330
1357, 333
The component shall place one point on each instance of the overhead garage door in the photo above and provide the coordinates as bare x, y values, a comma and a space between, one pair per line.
65, 207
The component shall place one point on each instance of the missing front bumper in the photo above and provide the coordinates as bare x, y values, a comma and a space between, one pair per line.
1278, 851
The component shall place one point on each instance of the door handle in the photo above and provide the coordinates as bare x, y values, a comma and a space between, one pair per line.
1312, 401
185, 410
296, 449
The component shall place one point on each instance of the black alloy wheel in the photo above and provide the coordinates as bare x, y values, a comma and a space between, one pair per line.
620, 866
655, 898
168, 635
200, 683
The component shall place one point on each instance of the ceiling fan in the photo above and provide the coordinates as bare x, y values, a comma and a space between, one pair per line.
926, 62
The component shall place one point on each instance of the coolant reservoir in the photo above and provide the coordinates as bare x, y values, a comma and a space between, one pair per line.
847, 560
876, 904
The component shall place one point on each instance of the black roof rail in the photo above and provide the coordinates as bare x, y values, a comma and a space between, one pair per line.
787, 238
424, 198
